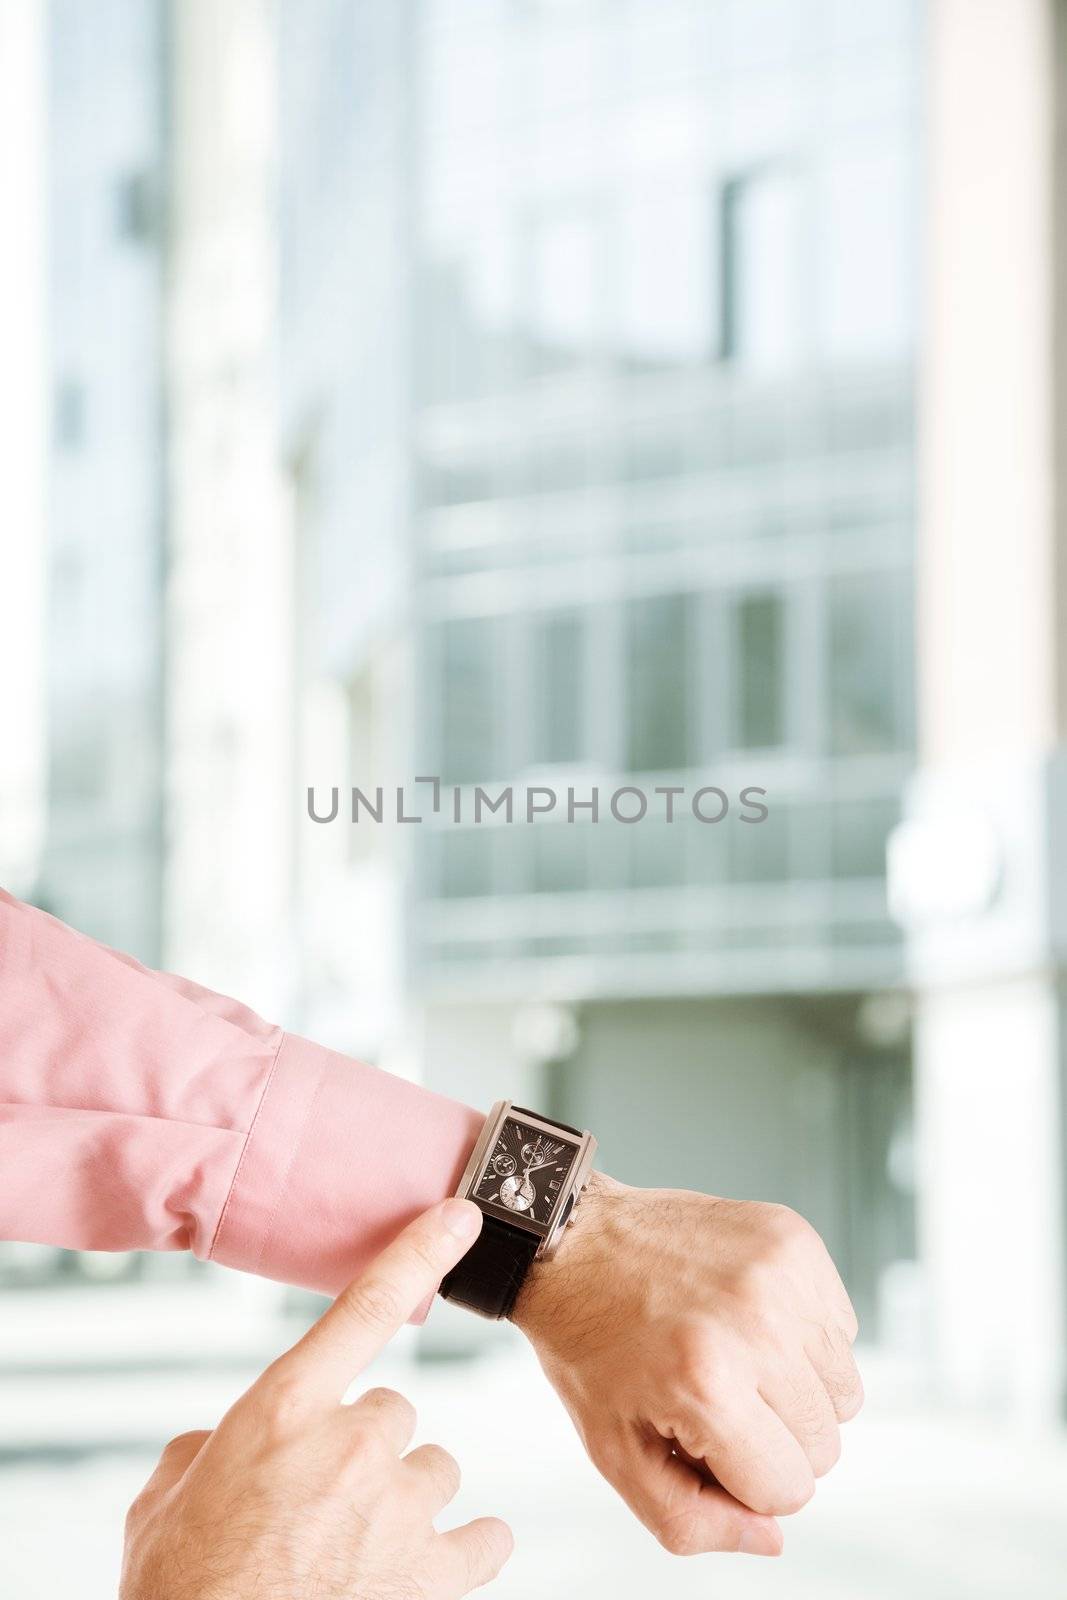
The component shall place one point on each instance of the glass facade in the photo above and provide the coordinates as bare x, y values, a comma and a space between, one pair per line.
103, 851
663, 410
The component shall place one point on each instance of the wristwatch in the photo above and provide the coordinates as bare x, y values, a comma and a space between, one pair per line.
525, 1175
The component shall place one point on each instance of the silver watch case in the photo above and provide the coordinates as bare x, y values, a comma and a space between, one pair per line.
550, 1233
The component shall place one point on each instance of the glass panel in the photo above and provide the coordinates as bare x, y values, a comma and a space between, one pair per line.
809, 829
466, 862
762, 314
665, 279
566, 291
469, 678
558, 681
560, 856
867, 620
859, 832
658, 848
759, 851
555, 463
456, 483
466, 315
655, 453
760, 671
865, 277
658, 678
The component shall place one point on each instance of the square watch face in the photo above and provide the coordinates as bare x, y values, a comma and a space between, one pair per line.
526, 1172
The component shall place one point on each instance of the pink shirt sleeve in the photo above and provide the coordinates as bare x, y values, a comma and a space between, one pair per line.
141, 1112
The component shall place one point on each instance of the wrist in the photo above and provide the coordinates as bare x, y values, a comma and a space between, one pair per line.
557, 1290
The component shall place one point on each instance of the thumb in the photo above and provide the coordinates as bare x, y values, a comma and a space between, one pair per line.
367, 1314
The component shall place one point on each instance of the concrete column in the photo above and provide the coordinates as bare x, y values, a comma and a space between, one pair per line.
229, 581
978, 873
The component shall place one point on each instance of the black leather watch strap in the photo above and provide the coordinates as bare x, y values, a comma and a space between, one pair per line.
488, 1278
524, 1111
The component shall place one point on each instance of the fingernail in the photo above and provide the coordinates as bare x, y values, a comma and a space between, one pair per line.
461, 1218
759, 1540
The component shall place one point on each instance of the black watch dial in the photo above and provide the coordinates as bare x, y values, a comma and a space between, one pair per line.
526, 1172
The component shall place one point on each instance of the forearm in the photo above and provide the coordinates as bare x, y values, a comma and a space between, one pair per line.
140, 1111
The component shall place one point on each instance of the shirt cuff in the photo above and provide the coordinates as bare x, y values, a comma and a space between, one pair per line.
340, 1157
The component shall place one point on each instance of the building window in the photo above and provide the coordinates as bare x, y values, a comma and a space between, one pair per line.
467, 312
566, 293
469, 687
760, 671
658, 631
557, 688
465, 862
868, 614
135, 206
651, 453
859, 830
866, 249
666, 274
761, 312
68, 414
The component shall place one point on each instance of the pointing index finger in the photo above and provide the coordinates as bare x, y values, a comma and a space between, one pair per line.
367, 1314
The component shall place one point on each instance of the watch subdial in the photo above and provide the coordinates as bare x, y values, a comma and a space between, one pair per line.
517, 1193
504, 1165
531, 1152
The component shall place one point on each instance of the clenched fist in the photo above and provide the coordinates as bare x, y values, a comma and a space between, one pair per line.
294, 1494
703, 1348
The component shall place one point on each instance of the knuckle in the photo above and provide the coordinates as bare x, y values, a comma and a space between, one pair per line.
825, 1452
182, 1444
362, 1439
850, 1324
694, 1362
754, 1280
840, 1377
388, 1403
812, 1417
848, 1398
280, 1396
373, 1304
704, 1370
780, 1236
444, 1467
423, 1253
817, 1432
488, 1548
136, 1511
786, 1229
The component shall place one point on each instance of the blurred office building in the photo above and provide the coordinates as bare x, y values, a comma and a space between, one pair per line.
527, 393
598, 338
146, 760
103, 163
535, 394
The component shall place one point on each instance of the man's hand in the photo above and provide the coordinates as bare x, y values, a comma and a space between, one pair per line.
703, 1350
296, 1495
